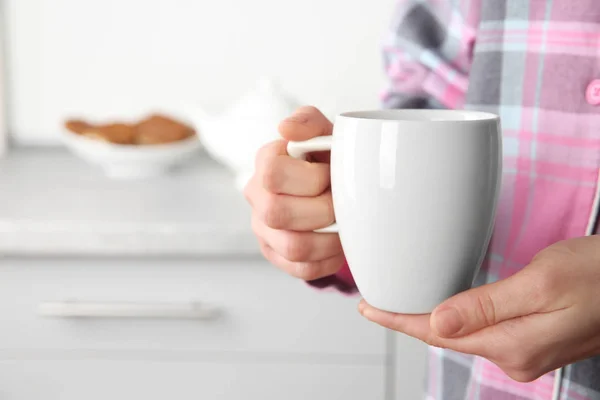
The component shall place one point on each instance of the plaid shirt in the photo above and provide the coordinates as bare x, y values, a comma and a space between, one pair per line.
531, 62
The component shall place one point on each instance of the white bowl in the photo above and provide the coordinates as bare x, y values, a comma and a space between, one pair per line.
131, 161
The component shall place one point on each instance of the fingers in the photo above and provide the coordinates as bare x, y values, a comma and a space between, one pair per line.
270, 150
487, 305
279, 211
307, 122
304, 270
290, 198
281, 174
298, 246
418, 327
515, 346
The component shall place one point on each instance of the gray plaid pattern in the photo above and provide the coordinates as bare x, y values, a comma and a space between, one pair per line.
501, 78
486, 69
422, 28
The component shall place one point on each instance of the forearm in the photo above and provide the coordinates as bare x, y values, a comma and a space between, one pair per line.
426, 62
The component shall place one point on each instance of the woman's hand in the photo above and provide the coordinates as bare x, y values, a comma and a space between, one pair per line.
290, 198
542, 318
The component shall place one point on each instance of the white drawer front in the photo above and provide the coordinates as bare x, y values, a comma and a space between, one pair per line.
261, 309
127, 380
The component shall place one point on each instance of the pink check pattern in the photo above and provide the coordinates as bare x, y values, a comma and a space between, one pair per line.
530, 62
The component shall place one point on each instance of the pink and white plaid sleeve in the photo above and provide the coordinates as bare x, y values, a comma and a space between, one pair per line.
428, 53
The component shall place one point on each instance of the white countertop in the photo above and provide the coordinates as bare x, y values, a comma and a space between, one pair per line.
52, 203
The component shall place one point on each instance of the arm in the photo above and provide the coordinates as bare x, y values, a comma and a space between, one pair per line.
427, 55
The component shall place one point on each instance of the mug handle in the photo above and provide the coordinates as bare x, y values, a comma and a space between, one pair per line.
300, 150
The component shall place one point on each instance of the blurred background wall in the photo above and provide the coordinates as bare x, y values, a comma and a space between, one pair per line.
122, 57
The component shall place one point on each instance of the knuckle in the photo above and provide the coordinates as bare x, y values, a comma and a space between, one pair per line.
266, 151
521, 362
544, 279
295, 248
329, 209
547, 281
275, 215
522, 375
272, 176
544, 286
263, 151
320, 176
264, 249
434, 341
486, 309
308, 109
306, 271
248, 191
521, 366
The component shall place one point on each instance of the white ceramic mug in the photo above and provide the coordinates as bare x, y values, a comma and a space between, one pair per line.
414, 194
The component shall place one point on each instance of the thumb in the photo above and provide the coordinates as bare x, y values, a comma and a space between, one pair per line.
307, 122
487, 305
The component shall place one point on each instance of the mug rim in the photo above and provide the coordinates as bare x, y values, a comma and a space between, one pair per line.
421, 115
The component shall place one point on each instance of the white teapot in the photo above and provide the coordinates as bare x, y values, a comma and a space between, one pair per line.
234, 137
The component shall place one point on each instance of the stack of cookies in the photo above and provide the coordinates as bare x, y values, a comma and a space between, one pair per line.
154, 129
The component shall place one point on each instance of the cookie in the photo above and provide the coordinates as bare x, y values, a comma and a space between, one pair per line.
77, 126
158, 129
155, 129
118, 133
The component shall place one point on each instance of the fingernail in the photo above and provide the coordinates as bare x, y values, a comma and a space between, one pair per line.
447, 322
299, 118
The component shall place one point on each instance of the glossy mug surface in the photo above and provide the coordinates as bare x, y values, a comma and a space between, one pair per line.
414, 194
